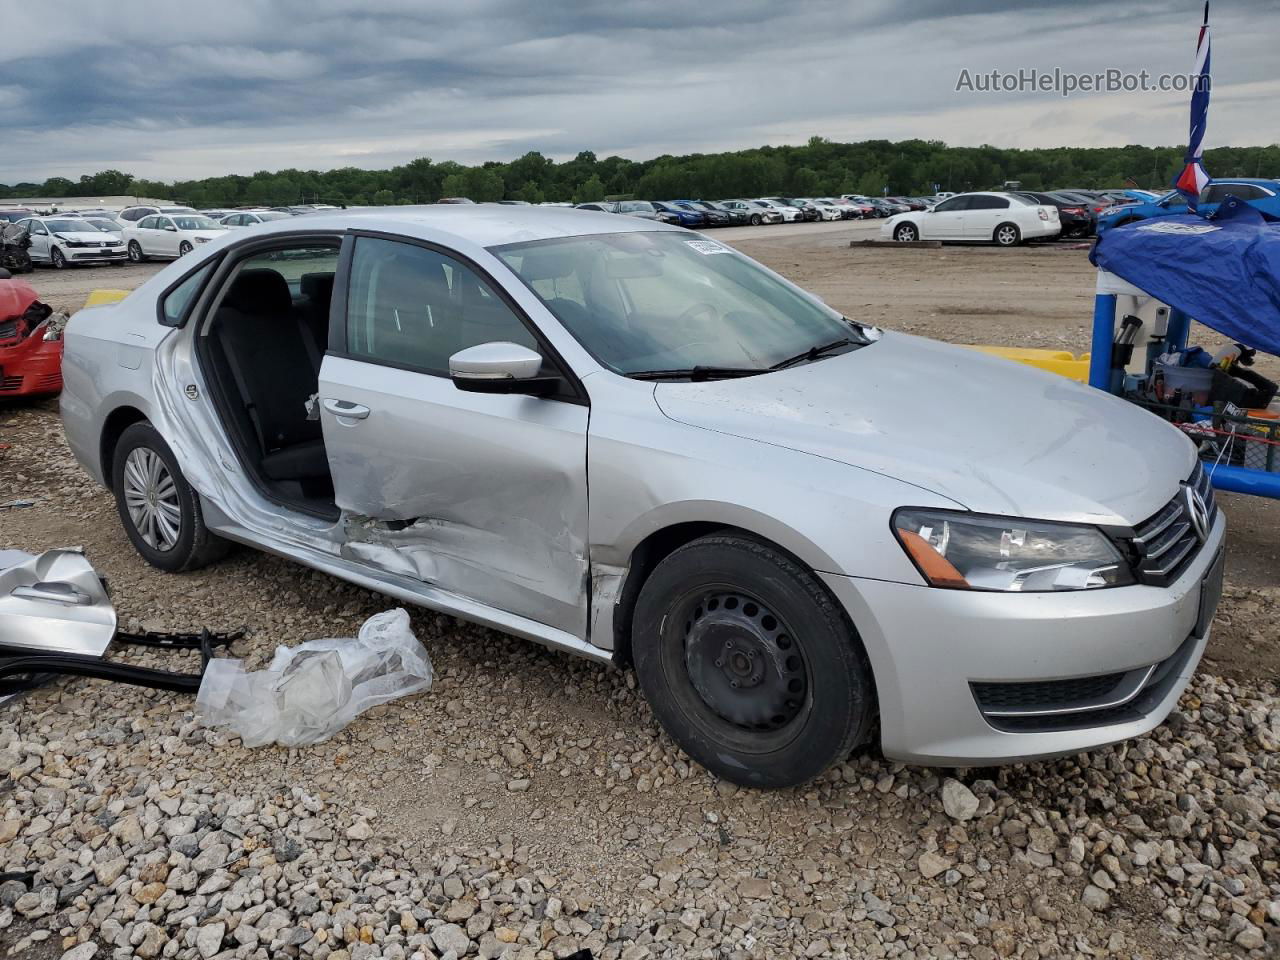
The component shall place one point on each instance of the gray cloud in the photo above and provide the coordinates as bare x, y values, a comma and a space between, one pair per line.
177, 90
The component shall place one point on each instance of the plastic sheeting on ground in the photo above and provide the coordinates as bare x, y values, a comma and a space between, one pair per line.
310, 692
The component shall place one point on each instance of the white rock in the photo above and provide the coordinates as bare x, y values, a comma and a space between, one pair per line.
958, 800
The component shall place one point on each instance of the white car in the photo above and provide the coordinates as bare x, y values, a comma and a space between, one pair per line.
248, 218
161, 235
62, 241
1004, 219
826, 209
757, 211
133, 214
789, 214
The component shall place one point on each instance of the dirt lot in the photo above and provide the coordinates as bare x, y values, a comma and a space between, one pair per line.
529, 806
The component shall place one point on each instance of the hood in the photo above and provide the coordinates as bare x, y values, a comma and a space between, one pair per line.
992, 435
88, 236
204, 234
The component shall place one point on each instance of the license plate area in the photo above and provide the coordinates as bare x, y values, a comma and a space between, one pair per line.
1210, 594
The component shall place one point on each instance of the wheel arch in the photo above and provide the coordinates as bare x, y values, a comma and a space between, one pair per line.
117, 422
659, 544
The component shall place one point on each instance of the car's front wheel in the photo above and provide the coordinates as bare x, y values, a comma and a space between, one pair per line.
160, 511
906, 233
749, 664
1007, 235
135, 252
184, 248
58, 258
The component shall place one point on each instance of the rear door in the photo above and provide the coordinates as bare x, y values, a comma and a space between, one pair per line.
482, 495
983, 214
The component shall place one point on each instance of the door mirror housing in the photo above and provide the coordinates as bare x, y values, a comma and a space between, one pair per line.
500, 367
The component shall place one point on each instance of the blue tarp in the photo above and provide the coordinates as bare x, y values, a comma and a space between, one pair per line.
1223, 271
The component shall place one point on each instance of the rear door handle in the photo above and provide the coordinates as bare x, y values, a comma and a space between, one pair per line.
346, 409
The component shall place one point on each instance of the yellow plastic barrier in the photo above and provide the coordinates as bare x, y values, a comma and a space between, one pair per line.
98, 297
1062, 362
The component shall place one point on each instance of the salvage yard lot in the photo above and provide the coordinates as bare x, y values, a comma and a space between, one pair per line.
529, 803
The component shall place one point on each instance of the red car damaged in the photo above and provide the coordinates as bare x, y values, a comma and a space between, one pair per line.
30, 344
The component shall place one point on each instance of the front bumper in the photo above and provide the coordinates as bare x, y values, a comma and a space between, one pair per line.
930, 647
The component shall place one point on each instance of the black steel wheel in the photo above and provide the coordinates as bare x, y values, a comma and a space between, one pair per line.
749, 663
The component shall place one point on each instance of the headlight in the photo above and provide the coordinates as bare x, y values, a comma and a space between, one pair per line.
968, 552
71, 243
200, 239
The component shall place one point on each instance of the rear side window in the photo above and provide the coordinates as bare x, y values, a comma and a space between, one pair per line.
173, 306
413, 307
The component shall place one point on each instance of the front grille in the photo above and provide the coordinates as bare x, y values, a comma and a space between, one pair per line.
1083, 702
1167, 542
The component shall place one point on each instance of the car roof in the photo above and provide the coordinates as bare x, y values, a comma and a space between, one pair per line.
485, 225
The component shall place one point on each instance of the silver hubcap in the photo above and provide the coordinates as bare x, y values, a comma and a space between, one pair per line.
906, 233
151, 497
1006, 235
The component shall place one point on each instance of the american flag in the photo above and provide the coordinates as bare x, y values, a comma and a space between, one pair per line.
1194, 177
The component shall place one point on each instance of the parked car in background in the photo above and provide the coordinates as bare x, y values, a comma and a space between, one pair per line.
161, 235
1260, 193
693, 219
789, 213
807, 216
105, 224
645, 211
455, 200
1004, 219
247, 218
640, 446
217, 213
714, 216
1076, 218
757, 211
134, 214
848, 209
598, 206
14, 214
737, 217
826, 209
64, 241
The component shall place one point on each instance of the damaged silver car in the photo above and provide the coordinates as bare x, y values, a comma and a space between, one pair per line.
633, 443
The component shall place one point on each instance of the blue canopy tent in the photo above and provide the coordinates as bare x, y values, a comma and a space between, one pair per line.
1223, 272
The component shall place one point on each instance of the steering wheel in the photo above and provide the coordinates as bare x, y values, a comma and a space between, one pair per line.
696, 308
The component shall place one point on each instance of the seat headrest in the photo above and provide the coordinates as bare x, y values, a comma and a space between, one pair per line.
547, 265
318, 286
260, 291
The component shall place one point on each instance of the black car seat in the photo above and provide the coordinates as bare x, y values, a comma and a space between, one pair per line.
317, 292
412, 316
265, 349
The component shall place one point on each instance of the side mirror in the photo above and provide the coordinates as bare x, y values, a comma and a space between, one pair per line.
171, 228
500, 367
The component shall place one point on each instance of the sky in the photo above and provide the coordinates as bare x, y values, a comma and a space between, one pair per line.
176, 90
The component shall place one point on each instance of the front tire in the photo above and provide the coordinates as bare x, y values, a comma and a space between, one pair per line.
58, 259
160, 511
1007, 235
749, 664
756, 220
184, 248
135, 252
906, 233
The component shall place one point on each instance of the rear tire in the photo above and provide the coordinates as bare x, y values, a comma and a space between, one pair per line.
749, 663
159, 510
1007, 235
906, 233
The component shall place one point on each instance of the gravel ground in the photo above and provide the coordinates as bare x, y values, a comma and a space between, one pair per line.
528, 806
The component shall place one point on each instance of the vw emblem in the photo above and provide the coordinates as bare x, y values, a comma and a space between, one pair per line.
193, 392
1197, 514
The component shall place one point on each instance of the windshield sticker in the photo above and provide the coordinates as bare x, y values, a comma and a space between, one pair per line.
1189, 229
707, 247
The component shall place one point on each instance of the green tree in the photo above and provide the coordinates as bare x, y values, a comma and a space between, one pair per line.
591, 189
384, 198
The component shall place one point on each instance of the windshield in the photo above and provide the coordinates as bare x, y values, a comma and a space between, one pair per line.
106, 226
636, 206
197, 223
659, 301
68, 226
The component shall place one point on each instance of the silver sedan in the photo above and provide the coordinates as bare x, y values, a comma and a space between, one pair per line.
635, 444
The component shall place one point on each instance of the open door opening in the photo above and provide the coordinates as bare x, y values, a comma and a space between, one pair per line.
261, 349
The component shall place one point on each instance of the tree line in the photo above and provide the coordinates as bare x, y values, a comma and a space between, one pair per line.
820, 167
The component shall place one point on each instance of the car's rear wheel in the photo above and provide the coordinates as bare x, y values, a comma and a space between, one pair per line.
906, 233
184, 248
1007, 235
749, 664
58, 259
135, 252
159, 510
